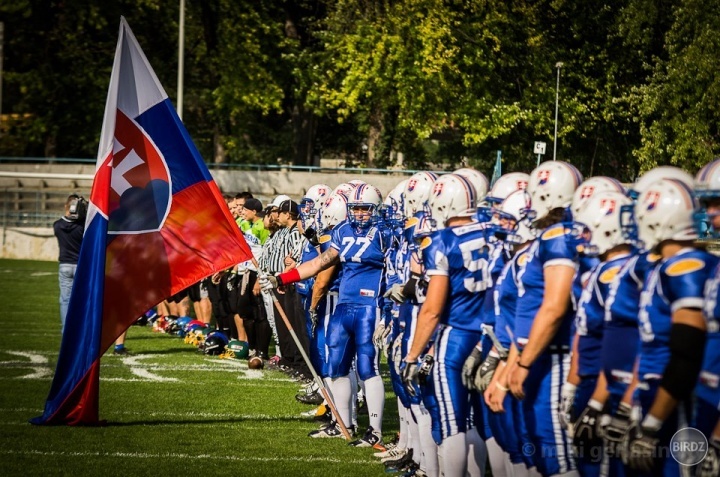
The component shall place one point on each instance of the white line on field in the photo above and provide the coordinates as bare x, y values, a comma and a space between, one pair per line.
172, 455
212, 415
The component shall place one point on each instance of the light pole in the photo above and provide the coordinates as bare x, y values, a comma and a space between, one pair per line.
181, 59
558, 65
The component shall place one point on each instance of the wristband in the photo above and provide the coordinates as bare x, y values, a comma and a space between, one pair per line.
522, 365
289, 277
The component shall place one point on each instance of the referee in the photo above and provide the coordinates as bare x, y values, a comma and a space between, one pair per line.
285, 247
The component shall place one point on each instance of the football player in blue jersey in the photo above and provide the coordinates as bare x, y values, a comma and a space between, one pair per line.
707, 404
543, 316
600, 214
359, 246
456, 262
672, 328
506, 419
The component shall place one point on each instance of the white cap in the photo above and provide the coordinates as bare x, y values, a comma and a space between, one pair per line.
279, 200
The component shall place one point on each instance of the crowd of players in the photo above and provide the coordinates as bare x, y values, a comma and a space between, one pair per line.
546, 325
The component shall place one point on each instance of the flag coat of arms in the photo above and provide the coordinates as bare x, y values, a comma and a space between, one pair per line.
156, 224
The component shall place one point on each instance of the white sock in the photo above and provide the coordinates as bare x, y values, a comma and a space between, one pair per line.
453, 452
477, 453
498, 458
375, 401
428, 447
520, 470
533, 472
414, 439
402, 414
342, 395
328, 387
353, 389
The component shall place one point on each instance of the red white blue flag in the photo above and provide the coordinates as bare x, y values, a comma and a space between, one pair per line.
156, 224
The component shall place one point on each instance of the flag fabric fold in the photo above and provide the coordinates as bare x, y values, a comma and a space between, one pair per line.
156, 224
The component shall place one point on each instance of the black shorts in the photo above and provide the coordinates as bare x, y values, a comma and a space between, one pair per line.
240, 301
178, 297
195, 293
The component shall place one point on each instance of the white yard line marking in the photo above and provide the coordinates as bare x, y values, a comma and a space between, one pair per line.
38, 364
144, 455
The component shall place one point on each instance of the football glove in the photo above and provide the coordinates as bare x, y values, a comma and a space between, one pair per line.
395, 293
472, 363
314, 319
587, 437
267, 282
410, 376
615, 431
640, 448
567, 399
485, 372
710, 466
397, 354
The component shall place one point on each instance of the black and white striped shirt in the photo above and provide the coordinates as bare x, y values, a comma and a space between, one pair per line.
285, 241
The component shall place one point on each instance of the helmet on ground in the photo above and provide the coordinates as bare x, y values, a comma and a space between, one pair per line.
236, 349
451, 196
506, 185
592, 186
664, 211
551, 186
601, 215
366, 198
215, 343
477, 179
332, 212
417, 192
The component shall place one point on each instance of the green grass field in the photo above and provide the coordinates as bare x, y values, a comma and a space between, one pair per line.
169, 409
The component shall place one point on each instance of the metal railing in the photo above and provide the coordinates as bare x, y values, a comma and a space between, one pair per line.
24, 207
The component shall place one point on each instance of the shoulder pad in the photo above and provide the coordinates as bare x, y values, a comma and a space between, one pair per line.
684, 266
426, 242
609, 275
653, 257
325, 238
522, 259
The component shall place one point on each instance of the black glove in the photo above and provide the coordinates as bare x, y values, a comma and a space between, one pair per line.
313, 314
425, 369
411, 285
615, 432
472, 363
312, 237
485, 372
640, 448
410, 377
587, 436
710, 466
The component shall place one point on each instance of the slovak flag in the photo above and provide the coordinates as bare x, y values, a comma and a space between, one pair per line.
156, 224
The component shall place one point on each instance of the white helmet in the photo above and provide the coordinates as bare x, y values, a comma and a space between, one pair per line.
664, 211
516, 204
356, 182
707, 180
601, 215
506, 185
653, 175
312, 199
394, 201
552, 185
364, 196
344, 189
279, 200
452, 196
592, 186
477, 179
332, 212
417, 192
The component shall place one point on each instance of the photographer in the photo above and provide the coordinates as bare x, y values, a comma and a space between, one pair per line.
69, 231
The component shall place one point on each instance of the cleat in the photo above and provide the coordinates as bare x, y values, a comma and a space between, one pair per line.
331, 430
372, 438
388, 448
310, 413
121, 352
315, 398
394, 455
400, 463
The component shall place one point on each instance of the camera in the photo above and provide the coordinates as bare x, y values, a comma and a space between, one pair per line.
77, 209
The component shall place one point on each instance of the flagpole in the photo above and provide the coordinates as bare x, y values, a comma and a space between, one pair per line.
181, 60
316, 378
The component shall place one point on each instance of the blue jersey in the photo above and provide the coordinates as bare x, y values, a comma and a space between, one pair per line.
590, 317
623, 302
362, 256
505, 296
461, 254
304, 287
393, 275
554, 247
708, 388
324, 241
678, 283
